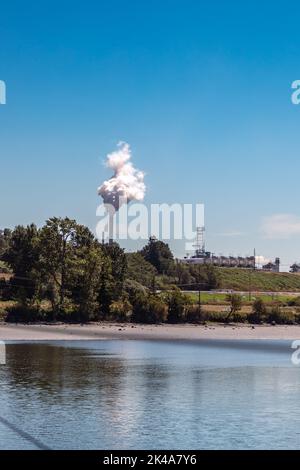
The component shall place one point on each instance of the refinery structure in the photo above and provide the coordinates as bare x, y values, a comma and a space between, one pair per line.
201, 256
127, 184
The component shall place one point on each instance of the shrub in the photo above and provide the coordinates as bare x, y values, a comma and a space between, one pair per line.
295, 302
21, 314
194, 315
5, 290
259, 312
120, 310
140, 270
4, 268
158, 309
216, 316
134, 290
238, 317
148, 309
222, 317
164, 283
236, 303
280, 317
177, 303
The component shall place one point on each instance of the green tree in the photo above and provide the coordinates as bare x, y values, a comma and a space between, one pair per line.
148, 309
211, 277
60, 243
106, 293
177, 303
134, 289
118, 263
205, 275
159, 255
235, 305
5, 236
120, 310
86, 275
199, 280
22, 255
140, 270
259, 312
183, 275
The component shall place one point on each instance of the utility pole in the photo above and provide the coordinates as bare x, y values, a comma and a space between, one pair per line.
199, 299
199, 289
250, 272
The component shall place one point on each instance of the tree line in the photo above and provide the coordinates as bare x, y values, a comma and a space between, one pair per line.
62, 272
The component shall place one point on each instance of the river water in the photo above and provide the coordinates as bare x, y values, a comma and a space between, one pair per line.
150, 395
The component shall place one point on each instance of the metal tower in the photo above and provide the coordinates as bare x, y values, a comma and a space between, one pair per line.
200, 241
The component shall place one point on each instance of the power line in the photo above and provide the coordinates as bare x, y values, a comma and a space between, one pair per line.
40, 445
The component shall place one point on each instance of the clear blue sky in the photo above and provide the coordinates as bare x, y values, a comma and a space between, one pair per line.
201, 91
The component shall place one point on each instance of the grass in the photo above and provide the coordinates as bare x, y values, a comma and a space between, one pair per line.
9, 311
238, 279
221, 299
243, 279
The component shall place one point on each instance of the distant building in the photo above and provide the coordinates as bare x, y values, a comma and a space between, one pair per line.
247, 262
272, 267
201, 256
295, 268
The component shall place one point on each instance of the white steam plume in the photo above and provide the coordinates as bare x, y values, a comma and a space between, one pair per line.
261, 260
127, 183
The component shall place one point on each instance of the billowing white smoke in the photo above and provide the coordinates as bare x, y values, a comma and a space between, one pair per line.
261, 260
127, 183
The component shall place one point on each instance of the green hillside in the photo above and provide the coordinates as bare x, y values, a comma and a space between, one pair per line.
243, 280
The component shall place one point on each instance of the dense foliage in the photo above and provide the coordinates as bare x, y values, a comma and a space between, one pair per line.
61, 272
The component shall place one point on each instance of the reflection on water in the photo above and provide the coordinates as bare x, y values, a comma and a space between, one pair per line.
143, 394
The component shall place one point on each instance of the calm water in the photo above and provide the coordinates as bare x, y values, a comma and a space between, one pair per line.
143, 394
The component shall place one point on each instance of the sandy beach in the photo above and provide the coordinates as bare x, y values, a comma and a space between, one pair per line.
54, 332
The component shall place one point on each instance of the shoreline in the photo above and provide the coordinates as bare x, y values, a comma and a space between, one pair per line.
163, 332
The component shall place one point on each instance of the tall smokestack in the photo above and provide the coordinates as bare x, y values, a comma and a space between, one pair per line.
110, 228
126, 184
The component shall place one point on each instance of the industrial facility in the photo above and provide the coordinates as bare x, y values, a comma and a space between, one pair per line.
201, 256
295, 268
